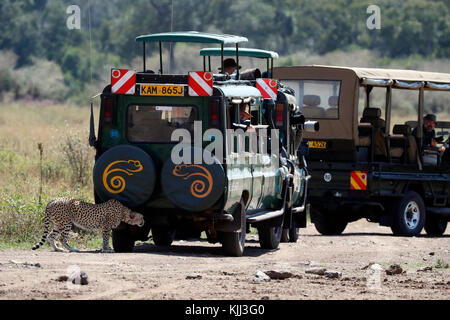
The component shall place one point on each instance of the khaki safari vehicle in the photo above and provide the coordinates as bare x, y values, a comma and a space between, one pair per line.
220, 190
362, 164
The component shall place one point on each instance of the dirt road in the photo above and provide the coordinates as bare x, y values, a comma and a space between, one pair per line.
197, 270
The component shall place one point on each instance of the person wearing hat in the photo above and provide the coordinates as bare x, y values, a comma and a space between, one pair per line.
230, 66
429, 135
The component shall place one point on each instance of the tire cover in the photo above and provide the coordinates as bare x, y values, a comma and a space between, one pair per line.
193, 187
125, 173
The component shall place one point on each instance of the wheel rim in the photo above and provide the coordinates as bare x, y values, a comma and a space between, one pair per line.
412, 215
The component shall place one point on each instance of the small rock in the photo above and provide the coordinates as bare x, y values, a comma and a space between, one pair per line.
26, 264
431, 253
194, 276
394, 269
279, 274
265, 297
318, 271
261, 277
30, 264
333, 274
81, 278
424, 269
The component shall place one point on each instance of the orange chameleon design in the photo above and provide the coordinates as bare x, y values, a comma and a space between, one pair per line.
117, 183
198, 186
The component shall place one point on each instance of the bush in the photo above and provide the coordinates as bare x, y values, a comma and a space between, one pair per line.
42, 80
7, 63
76, 152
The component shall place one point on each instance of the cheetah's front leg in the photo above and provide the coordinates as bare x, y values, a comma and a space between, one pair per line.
105, 247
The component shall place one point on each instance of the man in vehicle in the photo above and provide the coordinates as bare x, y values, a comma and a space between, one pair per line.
429, 140
244, 119
230, 66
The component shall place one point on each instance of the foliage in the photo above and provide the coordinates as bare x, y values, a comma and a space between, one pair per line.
35, 32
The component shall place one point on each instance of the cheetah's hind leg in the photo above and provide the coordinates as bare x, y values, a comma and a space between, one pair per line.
65, 237
51, 239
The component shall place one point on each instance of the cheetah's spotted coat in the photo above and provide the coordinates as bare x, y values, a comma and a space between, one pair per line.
66, 212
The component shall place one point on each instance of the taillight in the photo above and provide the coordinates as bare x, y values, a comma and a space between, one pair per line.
107, 110
279, 118
214, 113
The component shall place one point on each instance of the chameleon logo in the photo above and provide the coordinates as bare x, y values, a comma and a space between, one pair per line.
117, 183
200, 188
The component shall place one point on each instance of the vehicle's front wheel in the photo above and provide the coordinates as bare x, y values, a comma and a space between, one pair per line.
122, 240
408, 215
435, 225
269, 237
290, 235
163, 236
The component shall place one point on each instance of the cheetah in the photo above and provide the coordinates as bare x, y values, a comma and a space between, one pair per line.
105, 216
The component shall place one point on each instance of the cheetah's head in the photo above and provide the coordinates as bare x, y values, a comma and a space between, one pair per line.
132, 217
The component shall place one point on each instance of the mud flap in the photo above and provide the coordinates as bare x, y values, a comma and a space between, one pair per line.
236, 224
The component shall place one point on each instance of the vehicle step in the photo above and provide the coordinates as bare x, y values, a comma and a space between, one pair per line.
264, 215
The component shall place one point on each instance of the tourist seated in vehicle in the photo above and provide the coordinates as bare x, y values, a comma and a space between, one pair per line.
245, 117
429, 141
230, 67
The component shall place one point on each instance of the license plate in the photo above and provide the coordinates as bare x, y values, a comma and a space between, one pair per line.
317, 144
161, 90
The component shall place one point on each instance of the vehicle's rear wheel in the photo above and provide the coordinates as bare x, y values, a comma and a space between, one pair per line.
233, 243
328, 222
163, 236
122, 240
435, 225
290, 235
269, 237
408, 215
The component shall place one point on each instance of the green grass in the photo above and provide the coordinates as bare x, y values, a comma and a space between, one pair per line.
441, 264
67, 163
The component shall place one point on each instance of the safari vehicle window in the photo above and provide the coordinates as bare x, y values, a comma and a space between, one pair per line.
318, 99
150, 123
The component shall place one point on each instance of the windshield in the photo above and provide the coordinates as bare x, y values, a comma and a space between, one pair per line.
318, 99
150, 123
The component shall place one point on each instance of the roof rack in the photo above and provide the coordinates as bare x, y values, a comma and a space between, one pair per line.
191, 36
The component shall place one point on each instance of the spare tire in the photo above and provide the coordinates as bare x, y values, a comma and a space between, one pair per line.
193, 187
125, 173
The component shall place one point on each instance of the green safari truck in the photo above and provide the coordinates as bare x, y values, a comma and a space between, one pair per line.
174, 148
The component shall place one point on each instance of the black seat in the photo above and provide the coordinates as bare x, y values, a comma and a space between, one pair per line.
371, 133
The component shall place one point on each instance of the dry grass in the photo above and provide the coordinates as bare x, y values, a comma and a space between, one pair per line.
22, 126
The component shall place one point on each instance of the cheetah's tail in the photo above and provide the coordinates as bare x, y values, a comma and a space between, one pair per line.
46, 229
